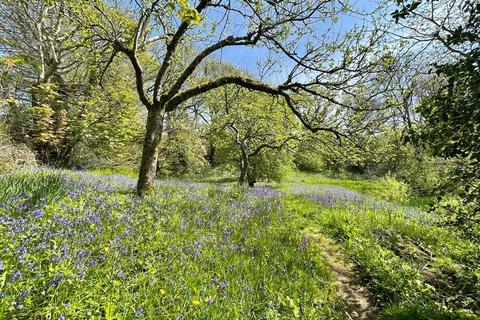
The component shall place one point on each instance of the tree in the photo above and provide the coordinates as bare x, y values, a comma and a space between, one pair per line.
183, 150
299, 31
38, 43
254, 130
50, 94
452, 117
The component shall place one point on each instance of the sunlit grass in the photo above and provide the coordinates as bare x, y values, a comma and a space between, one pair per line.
190, 251
413, 268
361, 185
369, 187
196, 250
107, 171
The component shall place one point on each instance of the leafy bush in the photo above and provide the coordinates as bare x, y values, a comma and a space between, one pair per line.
382, 154
93, 157
462, 212
271, 165
426, 175
392, 190
309, 163
97, 141
309, 155
182, 151
89, 128
15, 157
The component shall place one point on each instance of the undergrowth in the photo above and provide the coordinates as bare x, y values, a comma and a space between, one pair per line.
189, 251
414, 269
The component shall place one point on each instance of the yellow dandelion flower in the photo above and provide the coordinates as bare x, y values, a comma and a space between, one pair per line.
196, 302
162, 292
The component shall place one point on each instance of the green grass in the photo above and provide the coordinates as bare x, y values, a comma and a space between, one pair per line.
369, 187
106, 171
413, 270
217, 251
188, 251
423, 202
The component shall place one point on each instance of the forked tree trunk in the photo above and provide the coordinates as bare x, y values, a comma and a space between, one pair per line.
148, 166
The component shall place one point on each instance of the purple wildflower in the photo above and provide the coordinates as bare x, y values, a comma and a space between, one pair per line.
37, 213
139, 312
16, 275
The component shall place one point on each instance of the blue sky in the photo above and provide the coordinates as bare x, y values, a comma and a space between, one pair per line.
246, 58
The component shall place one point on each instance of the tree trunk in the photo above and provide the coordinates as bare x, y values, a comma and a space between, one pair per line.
251, 180
211, 154
243, 167
148, 166
164, 129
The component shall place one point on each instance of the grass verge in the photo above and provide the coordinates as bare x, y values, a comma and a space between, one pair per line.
415, 270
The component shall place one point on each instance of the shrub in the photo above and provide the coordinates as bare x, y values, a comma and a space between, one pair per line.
13, 156
393, 190
93, 157
462, 211
183, 151
426, 175
309, 163
270, 165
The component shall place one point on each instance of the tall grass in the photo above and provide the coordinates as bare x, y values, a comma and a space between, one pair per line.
35, 188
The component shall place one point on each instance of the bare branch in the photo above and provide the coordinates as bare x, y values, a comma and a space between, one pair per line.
171, 47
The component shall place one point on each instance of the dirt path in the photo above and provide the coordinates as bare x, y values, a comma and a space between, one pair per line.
359, 304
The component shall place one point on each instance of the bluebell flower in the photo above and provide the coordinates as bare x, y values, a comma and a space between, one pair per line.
55, 281
223, 285
37, 213
16, 275
21, 297
139, 312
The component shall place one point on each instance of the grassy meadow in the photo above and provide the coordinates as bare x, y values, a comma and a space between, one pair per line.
78, 245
